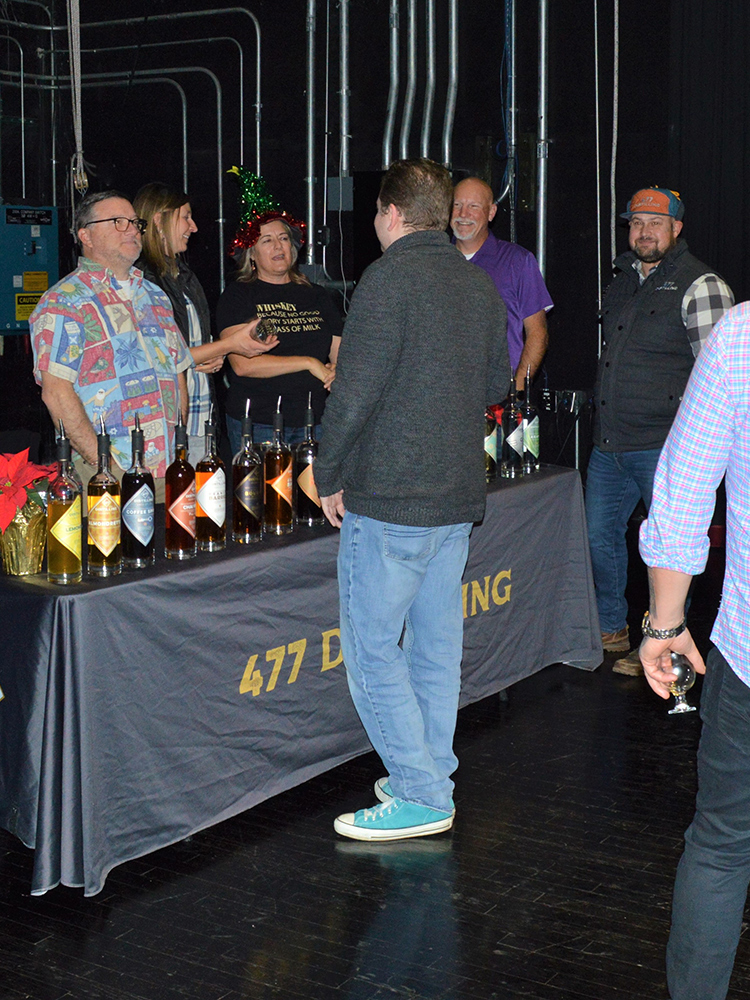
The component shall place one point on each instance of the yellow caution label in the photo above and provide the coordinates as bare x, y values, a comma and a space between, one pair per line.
25, 305
35, 281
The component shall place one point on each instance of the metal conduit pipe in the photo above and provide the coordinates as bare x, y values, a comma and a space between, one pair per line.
10, 38
52, 102
450, 101
411, 79
310, 178
543, 136
199, 13
429, 87
345, 92
219, 135
192, 41
390, 120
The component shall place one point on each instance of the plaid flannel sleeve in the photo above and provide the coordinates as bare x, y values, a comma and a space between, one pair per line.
703, 305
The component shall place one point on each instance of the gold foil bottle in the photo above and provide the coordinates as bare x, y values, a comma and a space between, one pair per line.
179, 502
278, 511
211, 496
247, 487
137, 508
103, 502
306, 500
64, 521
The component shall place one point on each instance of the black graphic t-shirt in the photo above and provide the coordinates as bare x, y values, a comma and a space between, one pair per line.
306, 319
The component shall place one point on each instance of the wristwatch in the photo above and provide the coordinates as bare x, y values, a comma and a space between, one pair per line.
661, 633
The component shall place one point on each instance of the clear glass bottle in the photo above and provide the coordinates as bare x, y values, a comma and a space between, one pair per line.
530, 429
64, 520
179, 500
137, 508
103, 505
278, 510
307, 505
211, 496
247, 487
511, 462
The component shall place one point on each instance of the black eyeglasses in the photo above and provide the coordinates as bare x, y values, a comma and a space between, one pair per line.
121, 224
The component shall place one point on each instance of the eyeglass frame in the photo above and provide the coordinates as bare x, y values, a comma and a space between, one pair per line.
140, 224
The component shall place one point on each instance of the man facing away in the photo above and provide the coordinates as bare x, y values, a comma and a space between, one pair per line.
656, 314
106, 345
401, 471
513, 269
710, 438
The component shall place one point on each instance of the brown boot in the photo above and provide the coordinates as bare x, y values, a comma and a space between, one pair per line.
616, 642
629, 665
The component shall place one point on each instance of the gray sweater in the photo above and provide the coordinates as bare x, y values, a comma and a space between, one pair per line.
424, 351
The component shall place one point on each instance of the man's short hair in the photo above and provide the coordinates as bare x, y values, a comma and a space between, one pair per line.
421, 190
85, 210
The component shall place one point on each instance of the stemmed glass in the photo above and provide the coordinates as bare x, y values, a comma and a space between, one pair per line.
683, 668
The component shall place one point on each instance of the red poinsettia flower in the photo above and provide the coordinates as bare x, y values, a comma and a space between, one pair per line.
17, 473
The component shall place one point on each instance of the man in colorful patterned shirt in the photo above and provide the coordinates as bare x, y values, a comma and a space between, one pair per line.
106, 345
656, 314
710, 439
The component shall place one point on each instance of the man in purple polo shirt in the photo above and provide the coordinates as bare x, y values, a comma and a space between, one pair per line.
513, 269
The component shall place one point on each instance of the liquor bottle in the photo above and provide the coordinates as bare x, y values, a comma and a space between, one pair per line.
137, 508
278, 513
530, 429
490, 445
306, 500
511, 461
211, 496
103, 503
64, 520
179, 500
247, 487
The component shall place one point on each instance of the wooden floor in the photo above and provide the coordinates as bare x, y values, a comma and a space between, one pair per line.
555, 884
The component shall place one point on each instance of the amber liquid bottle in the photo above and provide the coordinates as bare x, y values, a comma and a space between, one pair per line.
247, 488
211, 497
103, 502
278, 512
137, 508
306, 500
64, 521
179, 501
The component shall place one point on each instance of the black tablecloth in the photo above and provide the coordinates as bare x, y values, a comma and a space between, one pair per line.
137, 711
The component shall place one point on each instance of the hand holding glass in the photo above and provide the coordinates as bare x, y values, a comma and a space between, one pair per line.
683, 668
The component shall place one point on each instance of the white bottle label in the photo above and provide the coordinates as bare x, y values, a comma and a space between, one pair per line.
531, 437
490, 443
212, 497
515, 439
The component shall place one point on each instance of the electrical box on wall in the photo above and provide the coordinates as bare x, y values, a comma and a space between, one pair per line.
29, 257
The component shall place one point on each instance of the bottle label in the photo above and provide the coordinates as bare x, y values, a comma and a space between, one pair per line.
531, 437
138, 514
67, 528
183, 509
104, 523
283, 483
212, 496
515, 439
247, 492
306, 483
490, 443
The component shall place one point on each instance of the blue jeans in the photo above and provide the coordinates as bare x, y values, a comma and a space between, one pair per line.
614, 483
402, 640
714, 871
263, 433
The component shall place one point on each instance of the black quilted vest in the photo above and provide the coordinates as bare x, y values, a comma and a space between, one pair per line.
646, 356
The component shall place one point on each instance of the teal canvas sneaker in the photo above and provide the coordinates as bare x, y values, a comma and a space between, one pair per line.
393, 820
383, 792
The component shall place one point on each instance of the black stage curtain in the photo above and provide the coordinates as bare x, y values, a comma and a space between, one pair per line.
709, 155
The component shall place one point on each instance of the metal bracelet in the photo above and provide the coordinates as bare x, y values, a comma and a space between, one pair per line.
661, 633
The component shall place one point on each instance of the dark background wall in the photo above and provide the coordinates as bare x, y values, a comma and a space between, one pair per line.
681, 111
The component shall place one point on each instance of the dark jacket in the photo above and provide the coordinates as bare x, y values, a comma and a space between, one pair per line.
424, 350
646, 355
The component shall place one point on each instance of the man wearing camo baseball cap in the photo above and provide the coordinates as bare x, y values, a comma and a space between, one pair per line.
656, 314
